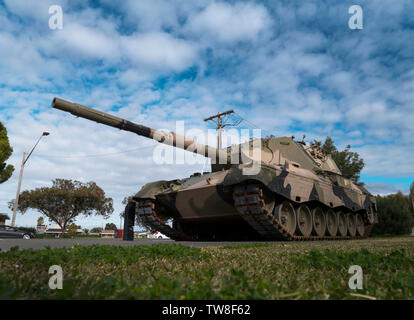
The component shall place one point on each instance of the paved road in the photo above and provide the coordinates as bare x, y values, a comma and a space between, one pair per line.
6, 244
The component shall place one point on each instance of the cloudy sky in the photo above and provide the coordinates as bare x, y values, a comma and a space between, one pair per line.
288, 67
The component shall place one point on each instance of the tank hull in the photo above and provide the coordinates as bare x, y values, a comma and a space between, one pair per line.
211, 206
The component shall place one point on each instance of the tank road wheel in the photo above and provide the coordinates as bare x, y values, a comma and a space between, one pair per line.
318, 222
351, 223
360, 226
342, 224
304, 221
285, 214
331, 223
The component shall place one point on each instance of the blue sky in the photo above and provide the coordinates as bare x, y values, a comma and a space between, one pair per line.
289, 67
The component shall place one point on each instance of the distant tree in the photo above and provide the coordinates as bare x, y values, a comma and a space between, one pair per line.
66, 200
96, 230
348, 162
138, 221
4, 216
6, 150
110, 226
72, 230
86, 231
395, 215
40, 221
412, 194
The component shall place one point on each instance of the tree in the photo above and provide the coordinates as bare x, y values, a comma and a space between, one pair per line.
4, 217
40, 221
72, 230
110, 226
6, 150
395, 215
348, 162
412, 194
66, 200
96, 230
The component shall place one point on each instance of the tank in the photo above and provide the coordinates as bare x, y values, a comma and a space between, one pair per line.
295, 192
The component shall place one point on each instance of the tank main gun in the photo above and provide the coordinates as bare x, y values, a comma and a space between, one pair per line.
169, 138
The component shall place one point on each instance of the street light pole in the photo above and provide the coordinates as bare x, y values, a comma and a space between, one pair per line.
18, 190
16, 202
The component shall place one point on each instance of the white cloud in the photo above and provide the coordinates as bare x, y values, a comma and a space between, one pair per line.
86, 42
38, 10
151, 15
21, 59
229, 23
158, 50
360, 113
343, 81
390, 160
384, 189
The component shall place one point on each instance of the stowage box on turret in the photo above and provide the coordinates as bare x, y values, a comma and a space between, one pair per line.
298, 193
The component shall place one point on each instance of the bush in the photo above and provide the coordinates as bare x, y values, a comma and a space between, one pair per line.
395, 215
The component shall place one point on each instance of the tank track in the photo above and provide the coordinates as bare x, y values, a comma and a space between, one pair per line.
148, 215
250, 204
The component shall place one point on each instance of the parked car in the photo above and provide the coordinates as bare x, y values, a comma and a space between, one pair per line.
157, 235
10, 232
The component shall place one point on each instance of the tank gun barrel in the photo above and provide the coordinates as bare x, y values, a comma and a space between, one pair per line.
169, 138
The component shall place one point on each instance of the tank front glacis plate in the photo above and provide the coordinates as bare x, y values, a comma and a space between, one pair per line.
197, 197
152, 189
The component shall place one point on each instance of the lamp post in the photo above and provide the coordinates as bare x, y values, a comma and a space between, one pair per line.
24, 160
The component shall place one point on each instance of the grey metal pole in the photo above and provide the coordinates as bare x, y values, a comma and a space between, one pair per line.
219, 134
16, 202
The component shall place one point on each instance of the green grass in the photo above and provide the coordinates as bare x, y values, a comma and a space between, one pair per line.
245, 246
280, 270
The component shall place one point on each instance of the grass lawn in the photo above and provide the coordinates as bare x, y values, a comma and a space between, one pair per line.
280, 270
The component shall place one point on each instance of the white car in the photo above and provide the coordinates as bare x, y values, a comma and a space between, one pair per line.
157, 235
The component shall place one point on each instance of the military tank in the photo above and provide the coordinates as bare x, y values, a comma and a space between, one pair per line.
298, 193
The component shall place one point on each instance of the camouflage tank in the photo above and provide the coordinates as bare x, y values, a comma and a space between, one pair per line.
298, 193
